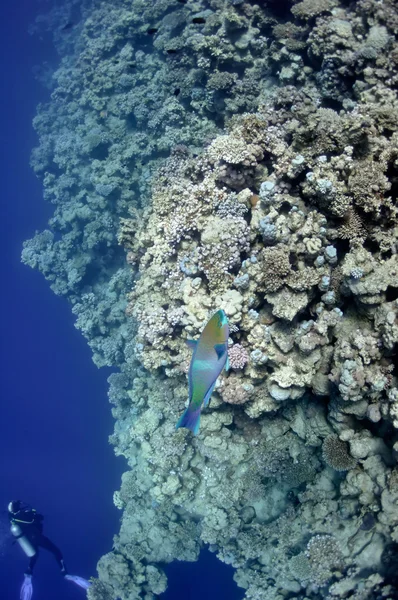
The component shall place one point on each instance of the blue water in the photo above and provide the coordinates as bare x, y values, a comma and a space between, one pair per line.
55, 417
207, 579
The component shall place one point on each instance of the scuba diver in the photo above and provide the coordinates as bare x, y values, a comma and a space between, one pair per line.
27, 529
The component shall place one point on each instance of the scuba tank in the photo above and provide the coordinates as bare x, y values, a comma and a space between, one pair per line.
22, 540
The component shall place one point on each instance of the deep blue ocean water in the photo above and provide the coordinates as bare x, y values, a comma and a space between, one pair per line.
55, 417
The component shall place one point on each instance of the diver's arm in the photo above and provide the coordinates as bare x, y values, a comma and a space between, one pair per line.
25, 517
39, 521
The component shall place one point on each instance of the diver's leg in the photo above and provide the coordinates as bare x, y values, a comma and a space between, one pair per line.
32, 562
47, 544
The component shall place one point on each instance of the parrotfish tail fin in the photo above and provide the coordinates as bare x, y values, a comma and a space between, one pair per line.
83, 583
190, 419
27, 588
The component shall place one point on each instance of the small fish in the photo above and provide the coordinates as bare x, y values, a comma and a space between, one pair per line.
210, 356
67, 26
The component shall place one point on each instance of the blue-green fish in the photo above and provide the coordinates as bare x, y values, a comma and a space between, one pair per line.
210, 356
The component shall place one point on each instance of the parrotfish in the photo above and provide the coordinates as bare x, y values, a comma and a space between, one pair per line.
210, 356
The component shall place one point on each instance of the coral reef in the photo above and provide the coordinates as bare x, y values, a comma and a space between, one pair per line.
239, 155
335, 453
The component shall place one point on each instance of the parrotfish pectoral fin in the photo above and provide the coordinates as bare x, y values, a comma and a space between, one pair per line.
220, 350
192, 344
227, 364
208, 395
190, 419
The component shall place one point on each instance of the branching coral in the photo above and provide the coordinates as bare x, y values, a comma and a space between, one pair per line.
335, 453
238, 356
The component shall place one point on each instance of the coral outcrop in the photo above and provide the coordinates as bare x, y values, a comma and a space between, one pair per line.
239, 155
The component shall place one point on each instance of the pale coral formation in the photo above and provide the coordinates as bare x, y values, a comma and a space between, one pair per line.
324, 556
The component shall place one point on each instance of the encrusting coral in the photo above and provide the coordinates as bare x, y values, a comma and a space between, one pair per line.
244, 156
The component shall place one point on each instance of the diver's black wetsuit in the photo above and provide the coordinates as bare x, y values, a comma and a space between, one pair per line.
31, 524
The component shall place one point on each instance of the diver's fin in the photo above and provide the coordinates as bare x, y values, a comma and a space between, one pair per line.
220, 350
192, 344
190, 419
27, 588
83, 583
208, 395
227, 365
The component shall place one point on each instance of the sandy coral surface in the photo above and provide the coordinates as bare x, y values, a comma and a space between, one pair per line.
240, 155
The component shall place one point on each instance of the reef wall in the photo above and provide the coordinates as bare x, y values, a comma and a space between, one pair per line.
239, 155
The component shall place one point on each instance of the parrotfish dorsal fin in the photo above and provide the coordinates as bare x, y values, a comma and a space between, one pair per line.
192, 344
220, 350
